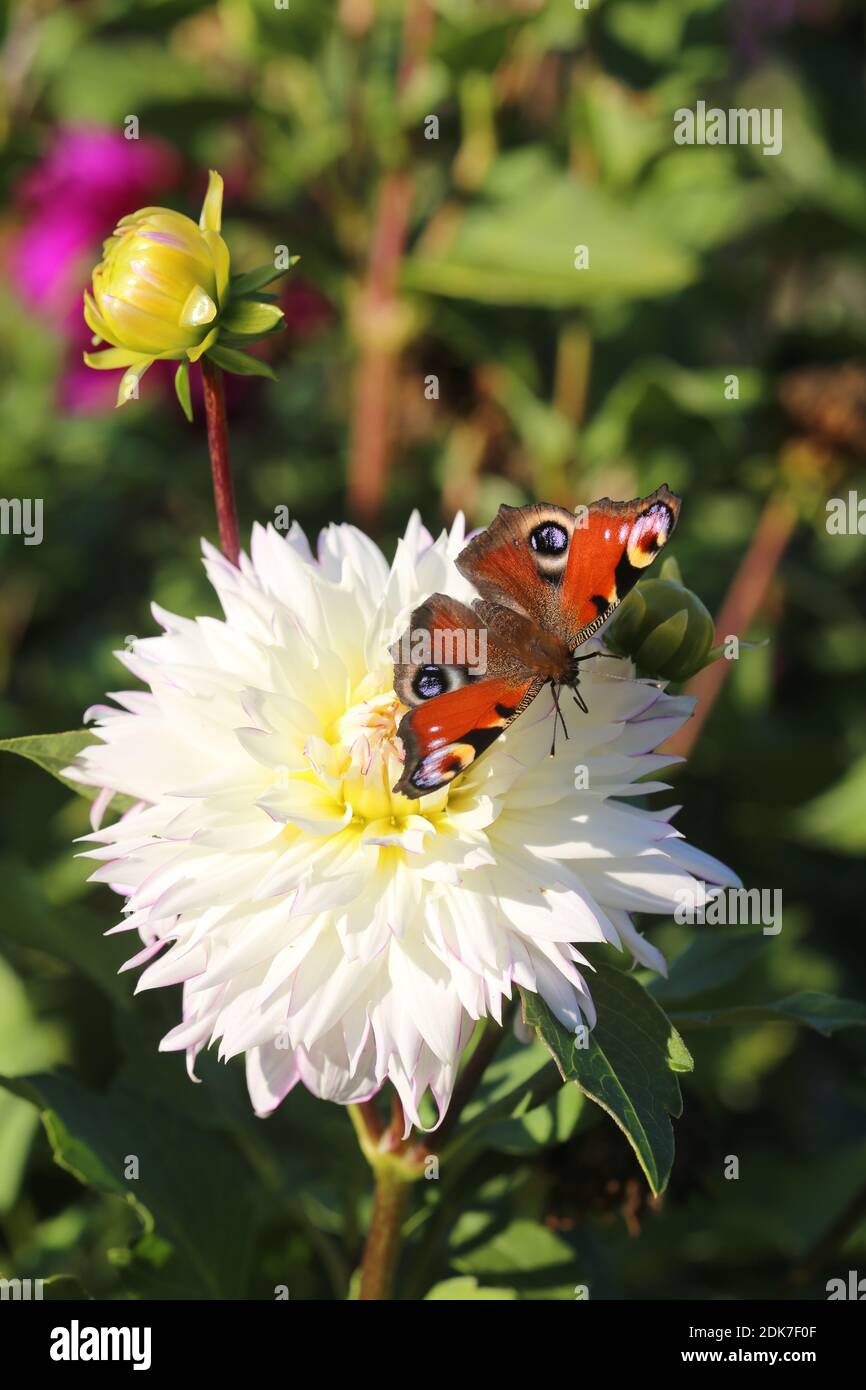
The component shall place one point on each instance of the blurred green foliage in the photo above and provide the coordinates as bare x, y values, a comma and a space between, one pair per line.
555, 130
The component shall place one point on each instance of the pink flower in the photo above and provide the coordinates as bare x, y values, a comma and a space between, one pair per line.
88, 180
68, 203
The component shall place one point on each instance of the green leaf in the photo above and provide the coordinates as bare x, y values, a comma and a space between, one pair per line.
525, 1255
520, 1105
834, 820
466, 1289
546, 1125
28, 1041
518, 1082
252, 318
711, 959
71, 934
181, 387
823, 1012
193, 1187
54, 752
654, 382
18, 1125
231, 360
63, 1288
809, 166
629, 1067
251, 280
518, 245
655, 33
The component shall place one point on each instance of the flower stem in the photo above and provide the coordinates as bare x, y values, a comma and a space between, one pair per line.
368, 1124
390, 1200
396, 1163
372, 433
742, 603
218, 444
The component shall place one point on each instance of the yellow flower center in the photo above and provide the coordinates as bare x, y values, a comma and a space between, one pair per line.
367, 735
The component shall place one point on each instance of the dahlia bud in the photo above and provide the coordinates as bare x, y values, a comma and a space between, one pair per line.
163, 290
663, 627
158, 285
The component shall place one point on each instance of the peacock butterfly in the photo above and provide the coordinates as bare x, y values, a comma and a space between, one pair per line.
548, 579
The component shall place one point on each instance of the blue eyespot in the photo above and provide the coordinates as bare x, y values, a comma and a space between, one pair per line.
549, 538
429, 681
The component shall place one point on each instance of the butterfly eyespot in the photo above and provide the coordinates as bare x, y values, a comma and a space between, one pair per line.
549, 539
429, 682
442, 766
648, 534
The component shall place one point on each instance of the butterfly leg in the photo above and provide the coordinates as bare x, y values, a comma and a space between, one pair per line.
579, 700
558, 717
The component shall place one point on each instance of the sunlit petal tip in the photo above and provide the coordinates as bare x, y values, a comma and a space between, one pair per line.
109, 359
195, 353
212, 207
198, 308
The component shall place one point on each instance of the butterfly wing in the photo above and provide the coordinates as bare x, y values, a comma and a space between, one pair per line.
457, 707
543, 572
569, 571
607, 557
507, 569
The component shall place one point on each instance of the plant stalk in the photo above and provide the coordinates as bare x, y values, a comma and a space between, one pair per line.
742, 604
390, 1201
218, 444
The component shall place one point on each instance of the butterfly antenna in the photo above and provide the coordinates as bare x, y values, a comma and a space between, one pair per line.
558, 717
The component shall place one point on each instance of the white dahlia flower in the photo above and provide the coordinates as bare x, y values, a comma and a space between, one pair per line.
336, 933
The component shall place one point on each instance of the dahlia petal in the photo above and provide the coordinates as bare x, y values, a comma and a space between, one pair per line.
306, 805
642, 950
271, 1074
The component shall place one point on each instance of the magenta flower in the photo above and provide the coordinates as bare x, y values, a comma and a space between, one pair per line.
88, 179
92, 177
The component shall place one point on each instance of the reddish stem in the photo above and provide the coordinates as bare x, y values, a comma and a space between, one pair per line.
372, 1120
218, 444
742, 604
390, 1201
377, 376
376, 380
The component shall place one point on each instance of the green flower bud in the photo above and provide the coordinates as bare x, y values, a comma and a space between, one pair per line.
663, 627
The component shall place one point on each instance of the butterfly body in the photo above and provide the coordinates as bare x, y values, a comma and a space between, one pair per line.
548, 579
530, 646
